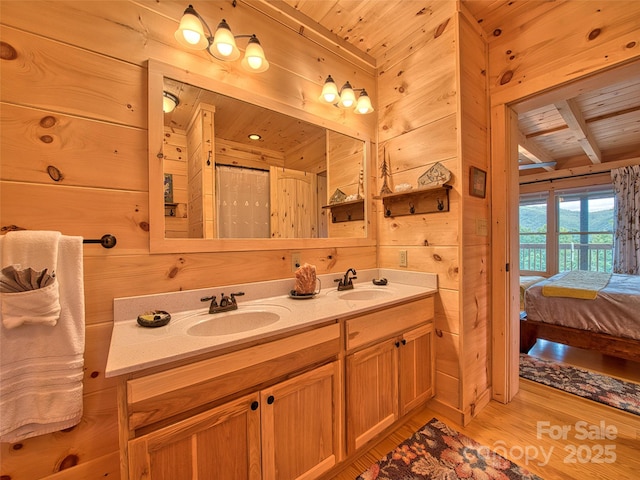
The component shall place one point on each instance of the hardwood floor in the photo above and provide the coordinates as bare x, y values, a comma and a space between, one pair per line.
598, 443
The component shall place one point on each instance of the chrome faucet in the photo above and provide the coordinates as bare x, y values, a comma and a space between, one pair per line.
226, 303
346, 283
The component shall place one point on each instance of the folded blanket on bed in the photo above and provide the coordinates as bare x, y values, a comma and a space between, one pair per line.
577, 284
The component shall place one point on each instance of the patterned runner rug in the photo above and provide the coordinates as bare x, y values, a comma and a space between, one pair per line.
594, 386
439, 452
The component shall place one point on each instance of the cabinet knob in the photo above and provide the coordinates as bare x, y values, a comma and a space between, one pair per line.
254, 405
270, 399
404, 341
397, 344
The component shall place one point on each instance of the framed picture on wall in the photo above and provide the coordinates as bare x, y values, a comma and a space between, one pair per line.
477, 182
168, 188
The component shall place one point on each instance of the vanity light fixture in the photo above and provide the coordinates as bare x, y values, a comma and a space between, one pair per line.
221, 44
346, 96
169, 102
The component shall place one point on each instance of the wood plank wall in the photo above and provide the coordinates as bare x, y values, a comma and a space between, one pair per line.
74, 96
435, 114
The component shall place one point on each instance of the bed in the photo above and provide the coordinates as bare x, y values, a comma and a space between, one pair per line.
587, 310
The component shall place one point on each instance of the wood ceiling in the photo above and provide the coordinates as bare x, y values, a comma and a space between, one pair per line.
596, 126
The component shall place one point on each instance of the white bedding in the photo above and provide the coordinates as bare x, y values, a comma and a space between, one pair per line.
615, 311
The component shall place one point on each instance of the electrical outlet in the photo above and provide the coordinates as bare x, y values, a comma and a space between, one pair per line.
402, 260
295, 261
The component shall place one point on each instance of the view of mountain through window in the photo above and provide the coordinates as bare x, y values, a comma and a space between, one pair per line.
582, 238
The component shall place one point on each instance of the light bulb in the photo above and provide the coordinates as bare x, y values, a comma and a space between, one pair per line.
347, 96
329, 91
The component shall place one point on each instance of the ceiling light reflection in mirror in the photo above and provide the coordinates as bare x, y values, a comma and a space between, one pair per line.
209, 136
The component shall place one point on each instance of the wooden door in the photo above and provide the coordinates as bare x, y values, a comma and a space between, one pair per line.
299, 425
221, 443
293, 203
372, 392
416, 367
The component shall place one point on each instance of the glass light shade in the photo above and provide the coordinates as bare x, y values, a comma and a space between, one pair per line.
190, 33
169, 102
329, 91
364, 104
254, 59
224, 45
347, 96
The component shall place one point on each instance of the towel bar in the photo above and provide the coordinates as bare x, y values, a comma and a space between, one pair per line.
107, 241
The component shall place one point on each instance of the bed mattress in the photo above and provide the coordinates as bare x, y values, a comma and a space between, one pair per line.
615, 310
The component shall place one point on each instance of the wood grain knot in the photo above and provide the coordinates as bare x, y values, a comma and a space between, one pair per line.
95, 374
5, 477
68, 462
54, 173
440, 29
506, 77
7, 52
173, 272
48, 121
17, 446
438, 332
437, 257
46, 139
593, 34
497, 32
144, 226
630, 44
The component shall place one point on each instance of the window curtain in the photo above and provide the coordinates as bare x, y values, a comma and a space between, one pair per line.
243, 202
626, 240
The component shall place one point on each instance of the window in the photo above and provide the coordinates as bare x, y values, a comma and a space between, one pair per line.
569, 229
533, 232
585, 230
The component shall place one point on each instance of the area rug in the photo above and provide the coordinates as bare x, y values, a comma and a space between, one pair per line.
439, 452
594, 386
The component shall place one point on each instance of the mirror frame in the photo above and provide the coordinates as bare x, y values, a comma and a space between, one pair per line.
159, 244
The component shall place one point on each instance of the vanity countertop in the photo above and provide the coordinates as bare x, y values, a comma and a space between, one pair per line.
134, 348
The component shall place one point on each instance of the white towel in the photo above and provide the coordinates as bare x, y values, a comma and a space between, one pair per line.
41, 367
37, 250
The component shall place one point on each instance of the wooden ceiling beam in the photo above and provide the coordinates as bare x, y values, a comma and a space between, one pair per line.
573, 117
531, 151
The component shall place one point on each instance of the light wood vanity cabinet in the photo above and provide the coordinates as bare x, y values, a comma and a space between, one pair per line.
286, 409
289, 428
389, 368
287, 431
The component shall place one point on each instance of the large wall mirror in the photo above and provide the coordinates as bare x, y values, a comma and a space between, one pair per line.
228, 174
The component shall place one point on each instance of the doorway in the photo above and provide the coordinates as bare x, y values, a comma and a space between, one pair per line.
505, 242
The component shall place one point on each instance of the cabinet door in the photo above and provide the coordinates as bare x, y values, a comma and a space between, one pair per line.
221, 443
416, 367
300, 427
372, 392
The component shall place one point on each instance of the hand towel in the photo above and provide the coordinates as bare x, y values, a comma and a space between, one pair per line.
41, 367
37, 250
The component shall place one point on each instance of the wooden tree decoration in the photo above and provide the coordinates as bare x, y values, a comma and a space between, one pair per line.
384, 174
361, 184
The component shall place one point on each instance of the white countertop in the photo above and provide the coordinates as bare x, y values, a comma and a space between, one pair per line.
135, 348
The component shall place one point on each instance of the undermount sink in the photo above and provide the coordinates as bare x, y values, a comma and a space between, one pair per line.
364, 294
233, 322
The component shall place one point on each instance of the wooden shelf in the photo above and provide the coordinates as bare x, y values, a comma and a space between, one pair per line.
412, 202
346, 211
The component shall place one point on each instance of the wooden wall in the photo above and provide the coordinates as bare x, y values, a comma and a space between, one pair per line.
74, 96
436, 110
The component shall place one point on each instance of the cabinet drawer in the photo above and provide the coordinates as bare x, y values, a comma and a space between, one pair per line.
385, 323
162, 395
